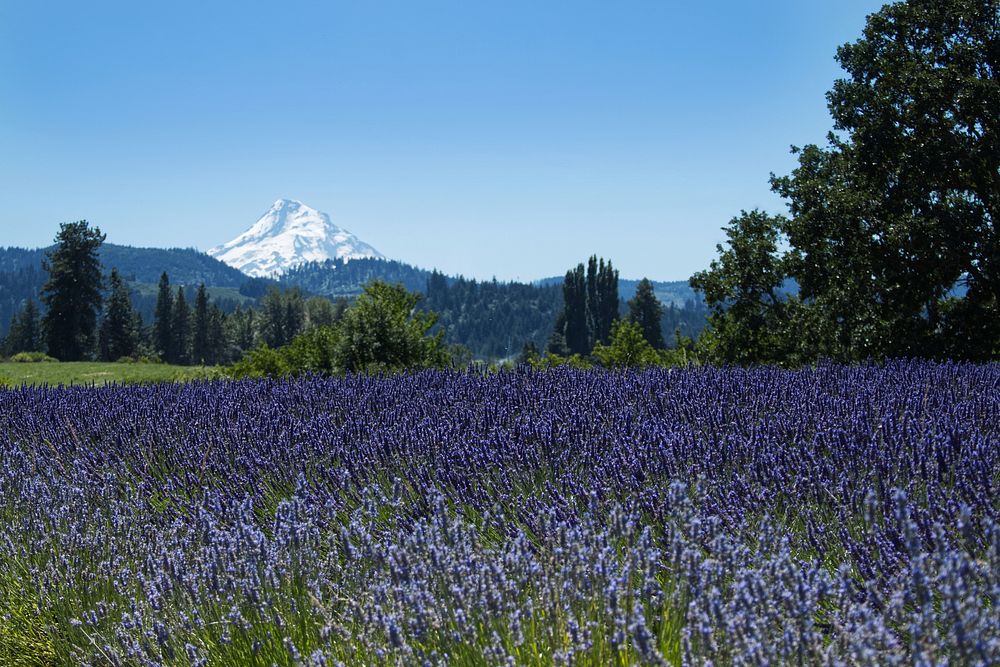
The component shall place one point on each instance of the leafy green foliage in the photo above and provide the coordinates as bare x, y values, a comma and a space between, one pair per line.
31, 358
742, 287
628, 348
383, 331
892, 240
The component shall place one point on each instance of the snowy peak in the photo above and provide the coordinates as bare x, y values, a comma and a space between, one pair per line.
287, 235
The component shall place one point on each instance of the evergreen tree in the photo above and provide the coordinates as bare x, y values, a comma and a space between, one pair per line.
25, 334
181, 328
575, 332
162, 332
199, 341
646, 311
72, 293
216, 336
119, 335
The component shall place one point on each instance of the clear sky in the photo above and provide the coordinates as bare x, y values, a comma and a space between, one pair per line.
509, 139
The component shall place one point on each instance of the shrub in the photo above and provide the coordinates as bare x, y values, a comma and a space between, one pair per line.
31, 357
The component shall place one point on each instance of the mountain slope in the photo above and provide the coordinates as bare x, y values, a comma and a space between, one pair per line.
287, 235
22, 276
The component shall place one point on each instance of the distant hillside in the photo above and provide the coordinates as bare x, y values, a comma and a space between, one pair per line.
493, 319
340, 278
22, 276
144, 265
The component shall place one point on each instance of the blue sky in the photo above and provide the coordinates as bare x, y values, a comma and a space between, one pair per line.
509, 139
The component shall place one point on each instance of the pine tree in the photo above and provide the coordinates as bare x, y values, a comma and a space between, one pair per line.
119, 336
180, 326
162, 332
199, 341
72, 293
216, 336
646, 310
25, 334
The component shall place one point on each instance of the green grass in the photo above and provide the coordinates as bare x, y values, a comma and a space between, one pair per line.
95, 372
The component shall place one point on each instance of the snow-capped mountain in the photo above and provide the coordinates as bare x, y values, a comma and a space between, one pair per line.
290, 234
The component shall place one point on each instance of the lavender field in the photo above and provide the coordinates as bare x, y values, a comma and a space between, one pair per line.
836, 516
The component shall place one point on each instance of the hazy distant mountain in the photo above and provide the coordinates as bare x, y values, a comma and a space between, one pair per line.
290, 234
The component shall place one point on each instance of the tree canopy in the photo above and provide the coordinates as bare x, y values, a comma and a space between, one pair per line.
72, 294
892, 241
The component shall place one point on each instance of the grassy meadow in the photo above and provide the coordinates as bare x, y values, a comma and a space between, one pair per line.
54, 373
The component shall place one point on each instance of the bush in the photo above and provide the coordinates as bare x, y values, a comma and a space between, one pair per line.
31, 357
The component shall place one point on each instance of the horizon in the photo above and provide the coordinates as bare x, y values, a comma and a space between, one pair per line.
487, 142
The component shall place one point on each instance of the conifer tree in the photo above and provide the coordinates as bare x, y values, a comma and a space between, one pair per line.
216, 336
199, 341
72, 293
25, 334
119, 336
646, 311
181, 328
162, 331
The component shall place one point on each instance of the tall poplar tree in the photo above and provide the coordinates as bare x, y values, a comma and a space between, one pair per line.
576, 333
590, 305
72, 293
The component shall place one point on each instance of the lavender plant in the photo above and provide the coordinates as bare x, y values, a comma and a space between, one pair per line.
836, 516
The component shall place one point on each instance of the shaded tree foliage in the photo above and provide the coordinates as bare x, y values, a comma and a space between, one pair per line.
25, 333
163, 337
645, 310
893, 240
72, 294
180, 326
120, 327
590, 306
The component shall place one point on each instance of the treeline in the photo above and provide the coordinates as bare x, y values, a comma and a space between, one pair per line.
341, 278
492, 319
84, 315
22, 276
